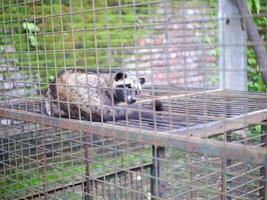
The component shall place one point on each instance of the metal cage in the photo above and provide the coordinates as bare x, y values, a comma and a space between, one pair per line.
207, 142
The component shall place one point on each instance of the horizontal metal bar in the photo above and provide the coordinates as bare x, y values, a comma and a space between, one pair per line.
229, 124
190, 144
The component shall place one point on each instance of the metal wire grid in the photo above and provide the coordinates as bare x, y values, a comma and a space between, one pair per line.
232, 110
48, 154
55, 51
118, 168
46, 162
33, 152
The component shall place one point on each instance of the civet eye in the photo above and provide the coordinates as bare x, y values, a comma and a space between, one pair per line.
128, 85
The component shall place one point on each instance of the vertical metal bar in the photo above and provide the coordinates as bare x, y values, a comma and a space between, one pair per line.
263, 170
131, 177
87, 183
228, 173
226, 176
189, 164
42, 157
158, 153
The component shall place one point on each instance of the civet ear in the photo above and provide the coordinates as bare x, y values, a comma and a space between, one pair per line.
120, 76
142, 81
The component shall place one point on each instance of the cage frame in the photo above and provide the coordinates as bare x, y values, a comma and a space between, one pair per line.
197, 142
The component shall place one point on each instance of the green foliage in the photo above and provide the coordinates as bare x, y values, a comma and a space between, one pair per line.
2, 48
70, 40
254, 5
34, 178
33, 40
255, 81
31, 30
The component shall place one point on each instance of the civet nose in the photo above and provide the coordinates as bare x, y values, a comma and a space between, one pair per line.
132, 100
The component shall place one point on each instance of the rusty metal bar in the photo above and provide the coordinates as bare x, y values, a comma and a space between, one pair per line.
226, 176
190, 172
42, 157
229, 124
228, 173
190, 144
87, 184
158, 153
226, 163
263, 170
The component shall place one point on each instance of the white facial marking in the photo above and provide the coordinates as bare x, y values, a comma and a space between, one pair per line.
129, 98
130, 79
47, 103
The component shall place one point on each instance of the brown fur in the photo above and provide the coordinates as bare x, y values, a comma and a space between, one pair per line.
89, 95
76, 94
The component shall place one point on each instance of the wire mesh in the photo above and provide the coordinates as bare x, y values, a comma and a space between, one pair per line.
74, 123
40, 162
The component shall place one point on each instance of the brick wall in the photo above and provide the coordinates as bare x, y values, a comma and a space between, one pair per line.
176, 51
